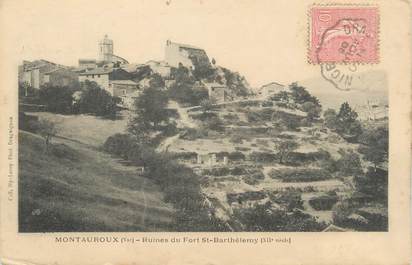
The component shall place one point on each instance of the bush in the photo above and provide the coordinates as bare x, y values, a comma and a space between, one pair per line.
28, 122
289, 200
299, 174
324, 202
193, 134
262, 157
236, 139
119, 144
238, 171
243, 149
56, 98
217, 172
263, 218
64, 152
254, 178
236, 156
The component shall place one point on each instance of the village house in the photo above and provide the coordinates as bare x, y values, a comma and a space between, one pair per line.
87, 63
107, 78
60, 77
217, 92
160, 67
126, 90
270, 89
32, 73
373, 110
186, 55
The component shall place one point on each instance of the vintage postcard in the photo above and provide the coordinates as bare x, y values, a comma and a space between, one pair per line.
205, 132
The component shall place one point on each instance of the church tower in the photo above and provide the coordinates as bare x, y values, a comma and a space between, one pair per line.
106, 49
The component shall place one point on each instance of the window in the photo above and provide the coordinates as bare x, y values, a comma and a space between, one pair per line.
92, 76
87, 76
98, 76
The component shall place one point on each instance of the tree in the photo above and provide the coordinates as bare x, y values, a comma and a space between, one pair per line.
331, 119
284, 149
374, 183
345, 122
56, 98
96, 100
151, 107
47, 129
207, 105
375, 145
349, 164
312, 110
151, 115
301, 95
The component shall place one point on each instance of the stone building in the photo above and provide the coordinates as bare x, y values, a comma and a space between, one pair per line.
32, 73
87, 63
217, 92
270, 89
105, 77
106, 54
60, 77
160, 67
186, 55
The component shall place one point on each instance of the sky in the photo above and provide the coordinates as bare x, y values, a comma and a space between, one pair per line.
244, 36
263, 40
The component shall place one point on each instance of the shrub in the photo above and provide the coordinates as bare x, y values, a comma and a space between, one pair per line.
193, 134
263, 218
253, 179
238, 171
236, 156
214, 124
231, 117
119, 144
236, 139
299, 174
28, 122
263, 157
243, 149
324, 202
217, 172
289, 200
267, 104
64, 152
349, 163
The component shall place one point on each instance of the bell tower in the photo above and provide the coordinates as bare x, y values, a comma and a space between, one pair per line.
106, 49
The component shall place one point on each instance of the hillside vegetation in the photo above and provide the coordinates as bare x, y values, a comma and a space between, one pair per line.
81, 189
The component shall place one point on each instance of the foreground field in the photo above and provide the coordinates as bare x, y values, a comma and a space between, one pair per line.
73, 187
87, 129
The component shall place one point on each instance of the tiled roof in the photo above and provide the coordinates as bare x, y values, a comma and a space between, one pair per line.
98, 71
123, 82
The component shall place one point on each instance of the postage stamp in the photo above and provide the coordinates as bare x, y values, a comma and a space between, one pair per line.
344, 34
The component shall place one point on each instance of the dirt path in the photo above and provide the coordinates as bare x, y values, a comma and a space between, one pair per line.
185, 121
144, 202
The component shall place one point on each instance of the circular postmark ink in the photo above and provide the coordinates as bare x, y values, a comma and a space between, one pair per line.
340, 49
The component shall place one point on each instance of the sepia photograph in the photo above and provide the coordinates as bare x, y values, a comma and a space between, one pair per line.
185, 141
205, 132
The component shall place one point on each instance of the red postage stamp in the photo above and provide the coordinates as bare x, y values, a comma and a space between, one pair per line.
344, 34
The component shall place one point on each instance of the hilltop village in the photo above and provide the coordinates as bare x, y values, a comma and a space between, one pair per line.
184, 144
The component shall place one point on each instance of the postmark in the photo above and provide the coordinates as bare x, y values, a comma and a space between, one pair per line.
344, 34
